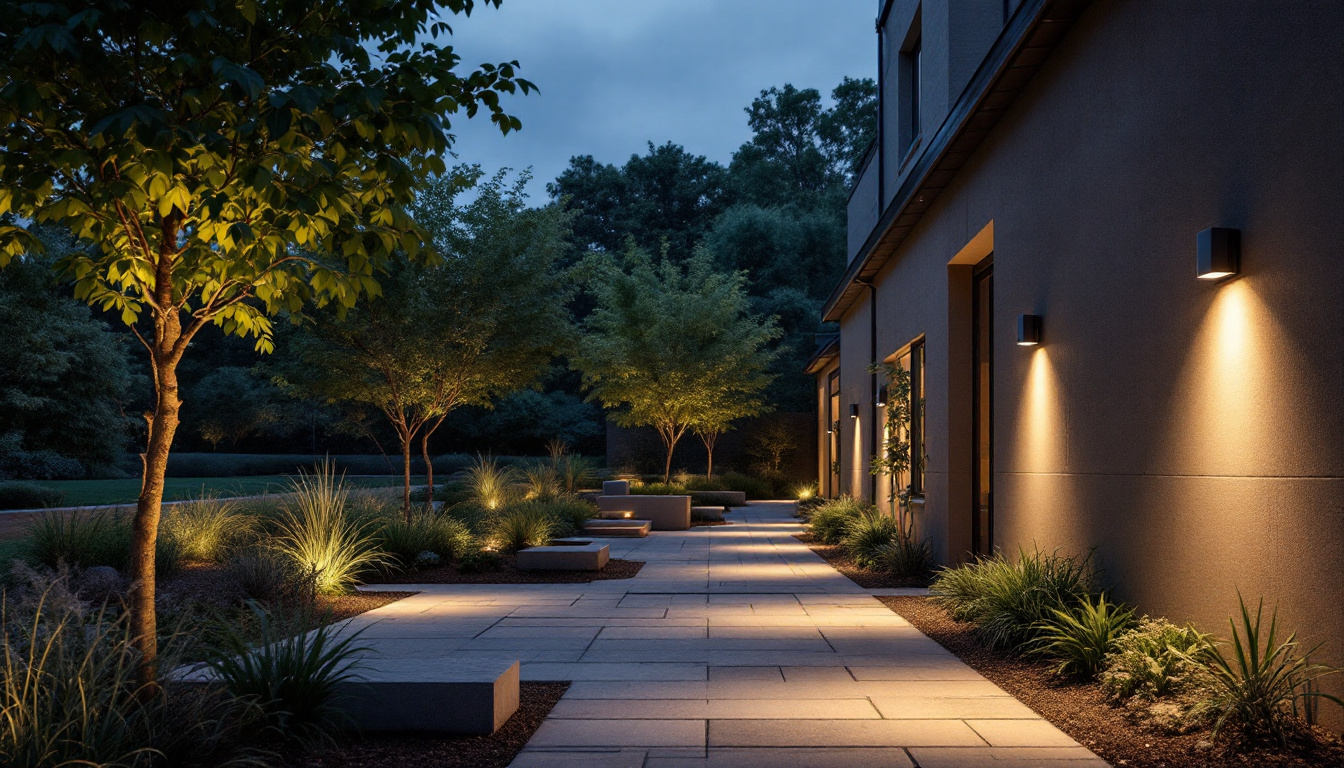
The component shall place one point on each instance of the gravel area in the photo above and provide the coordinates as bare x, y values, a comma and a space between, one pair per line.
509, 574
840, 560
1082, 710
406, 751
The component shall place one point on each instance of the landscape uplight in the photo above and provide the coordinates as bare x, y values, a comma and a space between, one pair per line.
1218, 253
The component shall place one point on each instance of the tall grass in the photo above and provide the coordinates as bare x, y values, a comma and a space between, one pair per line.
1008, 599
1079, 639
84, 540
295, 676
426, 531
318, 534
206, 527
576, 472
831, 520
540, 482
529, 524
489, 481
69, 696
866, 535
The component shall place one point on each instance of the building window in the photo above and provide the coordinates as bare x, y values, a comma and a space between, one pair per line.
833, 434
911, 66
912, 363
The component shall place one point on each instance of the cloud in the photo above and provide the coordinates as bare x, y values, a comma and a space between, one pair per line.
616, 74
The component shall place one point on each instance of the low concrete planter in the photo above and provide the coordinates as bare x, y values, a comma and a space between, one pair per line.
418, 695
719, 498
564, 555
667, 513
708, 514
618, 528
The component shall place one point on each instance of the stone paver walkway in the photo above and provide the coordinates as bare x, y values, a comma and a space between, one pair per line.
734, 646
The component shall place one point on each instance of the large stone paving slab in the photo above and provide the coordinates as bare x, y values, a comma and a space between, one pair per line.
734, 646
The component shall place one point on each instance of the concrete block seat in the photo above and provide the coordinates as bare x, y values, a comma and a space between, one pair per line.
711, 514
622, 528
422, 695
667, 513
565, 555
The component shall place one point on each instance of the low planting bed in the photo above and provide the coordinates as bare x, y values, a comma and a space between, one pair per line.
508, 573
1083, 710
868, 578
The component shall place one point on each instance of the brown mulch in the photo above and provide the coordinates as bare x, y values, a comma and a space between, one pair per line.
839, 559
404, 750
211, 585
509, 574
1082, 711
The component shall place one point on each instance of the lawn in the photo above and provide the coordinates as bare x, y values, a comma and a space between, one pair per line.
89, 492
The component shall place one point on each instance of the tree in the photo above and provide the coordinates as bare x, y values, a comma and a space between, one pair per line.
666, 195
227, 161
231, 403
64, 377
726, 405
668, 342
483, 322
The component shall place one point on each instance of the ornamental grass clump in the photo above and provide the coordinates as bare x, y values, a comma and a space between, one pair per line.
1261, 684
490, 482
405, 541
831, 520
1008, 600
867, 533
576, 472
317, 533
1079, 638
540, 482
523, 525
205, 528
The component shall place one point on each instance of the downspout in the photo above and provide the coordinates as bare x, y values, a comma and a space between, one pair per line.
872, 339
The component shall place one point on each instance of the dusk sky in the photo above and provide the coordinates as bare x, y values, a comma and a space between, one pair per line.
616, 74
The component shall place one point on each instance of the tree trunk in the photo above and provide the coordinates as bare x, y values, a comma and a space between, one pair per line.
406, 440
429, 471
709, 439
670, 438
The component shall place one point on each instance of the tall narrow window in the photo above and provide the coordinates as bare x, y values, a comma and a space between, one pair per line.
917, 453
916, 54
910, 71
833, 430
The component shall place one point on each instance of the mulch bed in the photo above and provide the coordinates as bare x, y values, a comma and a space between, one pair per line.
839, 559
509, 574
210, 584
1082, 711
402, 751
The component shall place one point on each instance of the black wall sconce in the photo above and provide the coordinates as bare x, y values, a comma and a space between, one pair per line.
853, 410
1218, 253
882, 396
1028, 330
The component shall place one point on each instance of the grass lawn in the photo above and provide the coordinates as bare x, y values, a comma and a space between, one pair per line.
88, 492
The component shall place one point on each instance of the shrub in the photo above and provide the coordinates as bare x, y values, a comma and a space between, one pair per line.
489, 481
867, 533
78, 539
480, 561
320, 537
205, 527
658, 489
1156, 659
404, 541
529, 524
448, 494
570, 514
576, 472
832, 519
1258, 687
1080, 638
271, 577
904, 556
69, 694
16, 494
754, 487
293, 674
1007, 600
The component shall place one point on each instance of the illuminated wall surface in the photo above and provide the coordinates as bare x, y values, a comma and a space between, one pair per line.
1191, 431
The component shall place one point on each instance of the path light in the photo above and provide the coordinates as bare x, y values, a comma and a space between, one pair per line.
853, 410
1218, 251
1028, 330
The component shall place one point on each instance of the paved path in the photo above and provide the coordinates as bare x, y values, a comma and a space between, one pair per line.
735, 646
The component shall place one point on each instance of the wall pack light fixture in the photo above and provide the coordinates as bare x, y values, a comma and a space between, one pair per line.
1218, 253
882, 396
1028, 330
853, 410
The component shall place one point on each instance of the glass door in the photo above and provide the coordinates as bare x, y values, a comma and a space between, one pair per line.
982, 308
833, 434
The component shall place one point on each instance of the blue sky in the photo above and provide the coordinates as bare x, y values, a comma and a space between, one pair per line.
616, 74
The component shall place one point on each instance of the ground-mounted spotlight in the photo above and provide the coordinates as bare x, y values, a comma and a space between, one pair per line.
853, 410
1028, 330
1218, 253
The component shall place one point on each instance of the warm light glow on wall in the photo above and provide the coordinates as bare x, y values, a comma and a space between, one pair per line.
857, 464
1042, 438
1223, 412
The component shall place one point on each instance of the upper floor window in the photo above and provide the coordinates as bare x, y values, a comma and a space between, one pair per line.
911, 77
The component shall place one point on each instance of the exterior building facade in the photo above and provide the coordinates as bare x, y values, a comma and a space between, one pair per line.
1043, 172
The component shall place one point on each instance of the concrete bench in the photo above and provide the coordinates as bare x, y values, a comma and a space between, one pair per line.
617, 529
615, 487
564, 555
422, 695
708, 514
667, 513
